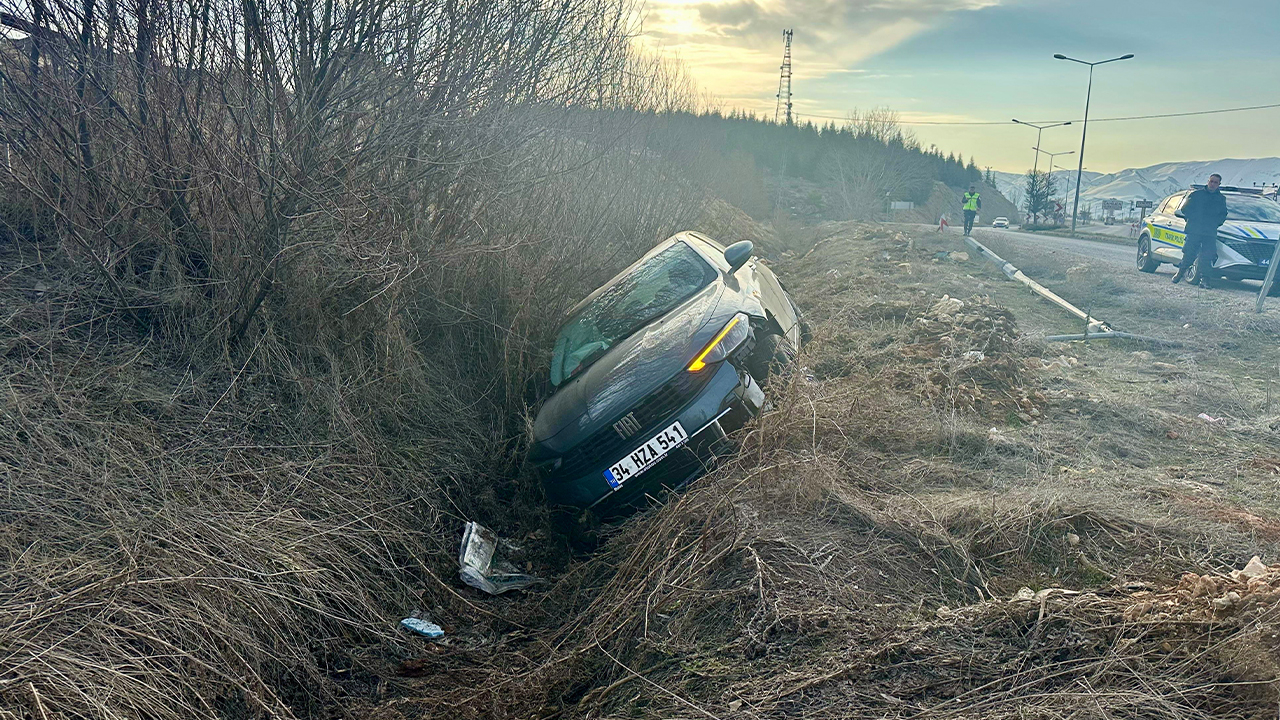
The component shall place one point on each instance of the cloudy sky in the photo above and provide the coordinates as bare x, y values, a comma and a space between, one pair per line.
991, 60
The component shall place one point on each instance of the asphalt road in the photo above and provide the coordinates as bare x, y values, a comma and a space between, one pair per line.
1122, 256
1093, 249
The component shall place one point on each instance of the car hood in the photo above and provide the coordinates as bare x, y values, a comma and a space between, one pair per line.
633, 368
1250, 230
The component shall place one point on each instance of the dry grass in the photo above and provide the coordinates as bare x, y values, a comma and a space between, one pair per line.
238, 536
185, 541
190, 542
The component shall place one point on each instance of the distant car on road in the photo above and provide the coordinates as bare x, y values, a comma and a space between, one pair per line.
653, 369
1246, 240
1000, 222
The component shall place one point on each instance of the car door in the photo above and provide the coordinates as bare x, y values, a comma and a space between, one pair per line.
1168, 231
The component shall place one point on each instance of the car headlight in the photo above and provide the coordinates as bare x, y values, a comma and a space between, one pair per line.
734, 333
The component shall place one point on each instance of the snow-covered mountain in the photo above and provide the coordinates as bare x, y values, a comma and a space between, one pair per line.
1154, 182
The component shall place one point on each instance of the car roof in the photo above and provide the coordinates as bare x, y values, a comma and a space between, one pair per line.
1225, 189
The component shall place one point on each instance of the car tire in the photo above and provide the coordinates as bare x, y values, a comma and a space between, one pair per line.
1194, 273
1147, 263
773, 355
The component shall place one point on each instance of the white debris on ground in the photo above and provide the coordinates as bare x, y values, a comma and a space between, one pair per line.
1062, 361
945, 308
482, 563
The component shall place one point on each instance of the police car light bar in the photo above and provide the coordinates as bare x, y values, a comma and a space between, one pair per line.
1232, 188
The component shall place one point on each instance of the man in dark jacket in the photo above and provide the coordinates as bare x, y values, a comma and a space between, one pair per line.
1204, 211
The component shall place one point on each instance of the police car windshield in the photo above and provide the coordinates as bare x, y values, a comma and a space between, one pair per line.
1252, 208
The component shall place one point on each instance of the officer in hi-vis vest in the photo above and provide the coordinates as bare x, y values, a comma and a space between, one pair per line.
972, 204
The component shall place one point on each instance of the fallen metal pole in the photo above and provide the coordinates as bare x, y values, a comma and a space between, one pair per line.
1271, 275
1108, 335
1014, 273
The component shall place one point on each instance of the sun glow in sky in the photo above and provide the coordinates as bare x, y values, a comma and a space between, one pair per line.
991, 60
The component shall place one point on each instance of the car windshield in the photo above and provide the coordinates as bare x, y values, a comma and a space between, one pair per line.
1252, 208
647, 292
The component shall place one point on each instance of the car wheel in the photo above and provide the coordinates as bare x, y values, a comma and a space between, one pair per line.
1195, 273
1147, 263
773, 355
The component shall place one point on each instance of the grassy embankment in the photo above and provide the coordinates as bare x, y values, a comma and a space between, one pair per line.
866, 554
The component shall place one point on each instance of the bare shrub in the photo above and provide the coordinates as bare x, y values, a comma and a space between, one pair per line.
284, 280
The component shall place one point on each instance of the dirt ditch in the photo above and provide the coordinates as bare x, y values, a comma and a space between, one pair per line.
945, 518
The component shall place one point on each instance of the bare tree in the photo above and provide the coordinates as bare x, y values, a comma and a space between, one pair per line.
873, 167
1039, 191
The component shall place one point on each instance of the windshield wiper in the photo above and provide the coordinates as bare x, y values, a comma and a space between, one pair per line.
595, 355
586, 362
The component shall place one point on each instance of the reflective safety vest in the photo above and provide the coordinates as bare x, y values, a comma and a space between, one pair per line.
971, 201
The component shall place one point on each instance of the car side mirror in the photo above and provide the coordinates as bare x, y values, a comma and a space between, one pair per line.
1178, 213
738, 254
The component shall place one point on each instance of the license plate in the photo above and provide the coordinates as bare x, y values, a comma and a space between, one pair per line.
646, 456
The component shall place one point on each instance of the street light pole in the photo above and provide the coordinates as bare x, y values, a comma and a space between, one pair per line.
1052, 156
1039, 129
1088, 94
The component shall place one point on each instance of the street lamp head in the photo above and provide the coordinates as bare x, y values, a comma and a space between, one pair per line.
1059, 56
1126, 57
1067, 122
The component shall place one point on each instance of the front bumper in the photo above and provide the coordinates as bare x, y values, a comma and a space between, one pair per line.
1243, 260
723, 404
1242, 272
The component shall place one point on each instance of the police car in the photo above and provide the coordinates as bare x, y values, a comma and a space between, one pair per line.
1246, 241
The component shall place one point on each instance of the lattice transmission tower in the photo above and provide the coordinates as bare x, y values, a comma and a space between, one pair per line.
784, 82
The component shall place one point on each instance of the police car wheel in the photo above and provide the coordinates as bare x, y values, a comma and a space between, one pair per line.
1146, 263
1193, 274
